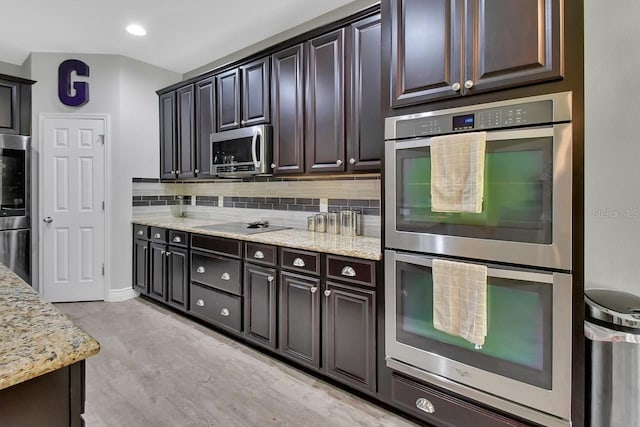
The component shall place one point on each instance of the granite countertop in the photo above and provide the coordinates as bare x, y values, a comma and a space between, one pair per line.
35, 338
352, 246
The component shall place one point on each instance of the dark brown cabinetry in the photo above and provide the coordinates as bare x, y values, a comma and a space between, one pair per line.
205, 125
141, 266
447, 48
15, 105
168, 135
260, 317
177, 134
325, 130
177, 277
287, 89
243, 95
157, 271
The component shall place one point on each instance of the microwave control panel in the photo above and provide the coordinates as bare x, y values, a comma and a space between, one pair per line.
429, 124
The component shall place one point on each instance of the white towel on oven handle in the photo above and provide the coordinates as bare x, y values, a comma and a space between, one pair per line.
460, 300
457, 172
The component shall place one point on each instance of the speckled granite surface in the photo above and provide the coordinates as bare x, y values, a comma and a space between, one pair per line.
34, 337
356, 246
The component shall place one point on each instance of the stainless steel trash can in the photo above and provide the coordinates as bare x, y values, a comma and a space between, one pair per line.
612, 327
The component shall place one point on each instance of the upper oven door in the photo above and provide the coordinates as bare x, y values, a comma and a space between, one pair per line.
14, 182
526, 212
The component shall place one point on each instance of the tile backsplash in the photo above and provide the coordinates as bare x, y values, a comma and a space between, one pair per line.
286, 201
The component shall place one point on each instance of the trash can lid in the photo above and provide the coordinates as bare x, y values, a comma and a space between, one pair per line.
613, 307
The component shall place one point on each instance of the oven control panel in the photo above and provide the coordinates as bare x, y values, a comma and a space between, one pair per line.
469, 119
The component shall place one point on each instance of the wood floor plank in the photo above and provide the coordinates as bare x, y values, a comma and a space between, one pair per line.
159, 369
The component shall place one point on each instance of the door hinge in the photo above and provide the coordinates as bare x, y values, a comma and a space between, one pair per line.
103, 269
103, 205
101, 139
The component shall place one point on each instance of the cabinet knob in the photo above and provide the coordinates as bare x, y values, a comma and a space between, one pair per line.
200, 303
327, 293
224, 312
338, 162
177, 171
352, 161
243, 122
258, 255
425, 406
197, 171
468, 84
273, 166
157, 236
173, 172
314, 289
348, 271
145, 248
298, 262
167, 253
455, 87
140, 232
177, 239
200, 270
270, 279
163, 252
225, 276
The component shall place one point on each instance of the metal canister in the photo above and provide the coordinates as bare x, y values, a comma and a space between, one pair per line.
351, 222
321, 222
333, 223
311, 223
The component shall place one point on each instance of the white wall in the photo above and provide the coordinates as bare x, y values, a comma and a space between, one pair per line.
10, 69
612, 145
125, 89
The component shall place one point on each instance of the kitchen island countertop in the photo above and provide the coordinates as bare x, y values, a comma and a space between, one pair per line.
352, 246
35, 338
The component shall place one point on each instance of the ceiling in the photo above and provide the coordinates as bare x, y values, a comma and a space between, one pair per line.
181, 35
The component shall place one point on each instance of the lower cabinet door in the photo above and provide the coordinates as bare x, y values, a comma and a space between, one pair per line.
157, 271
300, 319
350, 335
260, 305
219, 308
141, 266
177, 277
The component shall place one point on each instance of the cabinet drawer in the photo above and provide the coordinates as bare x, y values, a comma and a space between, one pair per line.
216, 307
352, 270
264, 254
178, 238
141, 231
218, 245
218, 272
159, 234
297, 260
445, 410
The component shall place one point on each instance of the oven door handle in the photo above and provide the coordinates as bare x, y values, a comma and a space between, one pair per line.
254, 144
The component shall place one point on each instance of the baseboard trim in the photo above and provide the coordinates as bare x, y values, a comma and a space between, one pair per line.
118, 295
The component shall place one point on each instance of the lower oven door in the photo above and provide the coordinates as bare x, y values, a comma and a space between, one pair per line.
526, 358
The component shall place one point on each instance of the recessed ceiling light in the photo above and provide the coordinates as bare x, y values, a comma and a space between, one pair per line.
136, 30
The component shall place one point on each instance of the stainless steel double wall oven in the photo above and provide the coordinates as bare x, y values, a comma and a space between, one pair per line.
523, 236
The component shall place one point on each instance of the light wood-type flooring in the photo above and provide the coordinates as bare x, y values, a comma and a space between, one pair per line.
158, 369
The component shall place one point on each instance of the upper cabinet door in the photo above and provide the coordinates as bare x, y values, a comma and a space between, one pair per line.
255, 92
228, 108
287, 88
365, 131
186, 132
205, 125
509, 43
9, 107
425, 50
168, 135
325, 134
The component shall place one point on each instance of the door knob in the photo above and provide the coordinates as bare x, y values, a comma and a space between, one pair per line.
48, 220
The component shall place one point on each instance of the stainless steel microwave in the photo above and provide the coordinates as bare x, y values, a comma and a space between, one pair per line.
242, 152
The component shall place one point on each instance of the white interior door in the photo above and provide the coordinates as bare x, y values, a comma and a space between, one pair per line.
72, 209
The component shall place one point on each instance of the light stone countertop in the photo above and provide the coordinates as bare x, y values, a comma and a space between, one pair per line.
35, 338
352, 246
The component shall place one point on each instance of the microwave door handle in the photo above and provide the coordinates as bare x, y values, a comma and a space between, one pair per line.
254, 145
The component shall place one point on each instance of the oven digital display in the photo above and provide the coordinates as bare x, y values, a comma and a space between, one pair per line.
466, 121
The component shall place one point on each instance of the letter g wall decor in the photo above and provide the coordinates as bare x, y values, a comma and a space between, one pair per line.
65, 84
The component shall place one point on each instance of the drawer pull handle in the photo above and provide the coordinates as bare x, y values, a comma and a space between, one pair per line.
425, 406
224, 312
314, 289
140, 232
177, 239
299, 262
200, 303
258, 255
225, 276
200, 270
156, 236
348, 271
270, 279
327, 293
